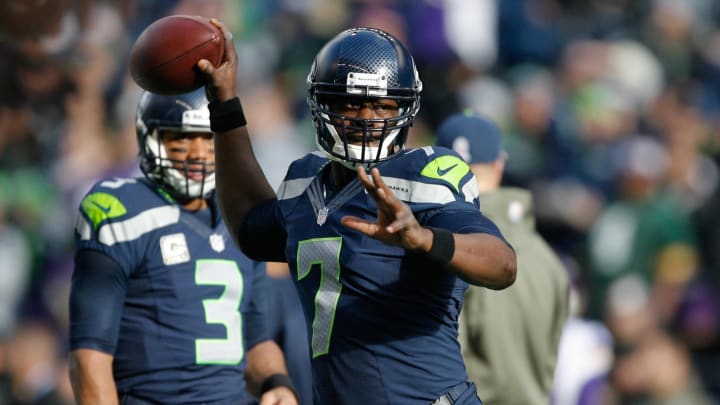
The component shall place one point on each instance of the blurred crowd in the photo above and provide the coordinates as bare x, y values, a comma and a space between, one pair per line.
610, 111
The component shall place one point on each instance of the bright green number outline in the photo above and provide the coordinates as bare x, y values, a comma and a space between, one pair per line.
224, 310
324, 252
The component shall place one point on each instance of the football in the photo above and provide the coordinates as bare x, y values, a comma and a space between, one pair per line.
163, 58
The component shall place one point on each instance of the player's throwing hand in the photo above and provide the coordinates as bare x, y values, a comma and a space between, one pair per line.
396, 224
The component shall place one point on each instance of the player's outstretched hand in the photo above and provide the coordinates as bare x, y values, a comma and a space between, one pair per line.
279, 396
220, 80
396, 225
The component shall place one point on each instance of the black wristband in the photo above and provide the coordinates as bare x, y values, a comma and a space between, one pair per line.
443, 245
226, 115
278, 380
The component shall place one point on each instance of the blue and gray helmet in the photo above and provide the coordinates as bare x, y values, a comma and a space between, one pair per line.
182, 113
363, 63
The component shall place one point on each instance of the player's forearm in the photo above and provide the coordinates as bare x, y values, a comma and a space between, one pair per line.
240, 181
484, 260
263, 360
266, 375
91, 377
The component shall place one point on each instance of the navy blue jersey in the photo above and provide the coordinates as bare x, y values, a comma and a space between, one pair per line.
383, 319
193, 302
286, 323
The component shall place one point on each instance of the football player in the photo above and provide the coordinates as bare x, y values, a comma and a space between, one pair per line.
164, 309
381, 261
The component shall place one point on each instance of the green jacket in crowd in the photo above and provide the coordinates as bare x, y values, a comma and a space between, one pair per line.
510, 337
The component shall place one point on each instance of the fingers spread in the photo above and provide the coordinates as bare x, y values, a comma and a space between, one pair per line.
384, 194
403, 220
377, 178
360, 225
364, 179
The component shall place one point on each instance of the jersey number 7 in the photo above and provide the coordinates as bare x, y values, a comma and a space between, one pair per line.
324, 252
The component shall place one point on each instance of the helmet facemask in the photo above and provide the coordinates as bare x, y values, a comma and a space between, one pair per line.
159, 116
184, 180
354, 141
357, 67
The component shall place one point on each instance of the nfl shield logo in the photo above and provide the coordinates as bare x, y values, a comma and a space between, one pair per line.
322, 216
217, 242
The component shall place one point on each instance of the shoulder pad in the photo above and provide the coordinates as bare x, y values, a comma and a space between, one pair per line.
100, 206
104, 200
300, 174
430, 174
448, 168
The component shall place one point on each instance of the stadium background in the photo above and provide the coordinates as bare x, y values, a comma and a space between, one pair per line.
610, 110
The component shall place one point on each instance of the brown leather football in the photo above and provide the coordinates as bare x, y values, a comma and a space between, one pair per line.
163, 59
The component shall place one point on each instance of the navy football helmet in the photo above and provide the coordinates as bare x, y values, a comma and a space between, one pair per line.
183, 113
362, 64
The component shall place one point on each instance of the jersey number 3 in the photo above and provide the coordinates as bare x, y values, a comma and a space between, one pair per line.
224, 310
324, 252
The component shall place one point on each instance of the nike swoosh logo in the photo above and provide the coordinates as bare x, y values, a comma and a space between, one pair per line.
102, 207
442, 172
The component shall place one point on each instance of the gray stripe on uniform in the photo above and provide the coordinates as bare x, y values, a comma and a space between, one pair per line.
137, 226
